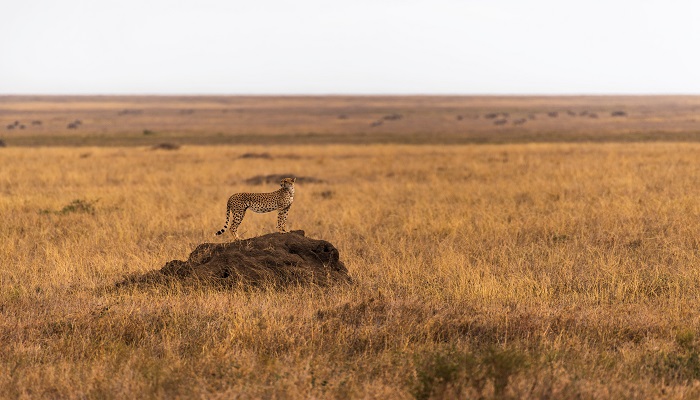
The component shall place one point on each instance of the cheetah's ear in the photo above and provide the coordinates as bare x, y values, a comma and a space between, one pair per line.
294, 179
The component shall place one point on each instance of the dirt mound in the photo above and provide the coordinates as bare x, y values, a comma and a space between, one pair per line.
275, 259
165, 146
266, 156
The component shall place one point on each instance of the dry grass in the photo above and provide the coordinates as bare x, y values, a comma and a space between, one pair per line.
524, 271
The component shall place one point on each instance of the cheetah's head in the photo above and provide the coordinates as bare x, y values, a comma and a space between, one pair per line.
288, 182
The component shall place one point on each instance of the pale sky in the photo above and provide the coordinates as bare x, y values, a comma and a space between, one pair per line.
349, 47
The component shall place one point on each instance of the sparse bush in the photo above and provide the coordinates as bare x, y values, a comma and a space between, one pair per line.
436, 372
501, 365
75, 206
265, 155
681, 364
447, 373
165, 146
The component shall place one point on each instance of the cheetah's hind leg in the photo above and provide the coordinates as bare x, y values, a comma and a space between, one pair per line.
234, 233
237, 218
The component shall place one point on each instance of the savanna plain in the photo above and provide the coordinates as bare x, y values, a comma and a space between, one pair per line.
552, 257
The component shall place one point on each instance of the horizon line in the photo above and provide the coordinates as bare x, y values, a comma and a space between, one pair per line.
427, 94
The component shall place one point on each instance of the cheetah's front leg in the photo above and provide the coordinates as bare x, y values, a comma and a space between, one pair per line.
282, 220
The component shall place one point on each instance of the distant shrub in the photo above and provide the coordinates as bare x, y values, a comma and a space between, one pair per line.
435, 372
393, 117
500, 365
75, 206
256, 155
166, 146
129, 112
448, 372
148, 132
680, 365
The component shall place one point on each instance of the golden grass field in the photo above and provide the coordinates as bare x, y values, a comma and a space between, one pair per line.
517, 270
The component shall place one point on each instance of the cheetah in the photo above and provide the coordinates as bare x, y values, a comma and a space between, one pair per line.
280, 200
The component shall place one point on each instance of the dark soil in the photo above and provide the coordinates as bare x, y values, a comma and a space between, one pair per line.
272, 260
165, 146
266, 156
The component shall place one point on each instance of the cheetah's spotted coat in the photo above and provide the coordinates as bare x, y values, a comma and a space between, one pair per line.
280, 200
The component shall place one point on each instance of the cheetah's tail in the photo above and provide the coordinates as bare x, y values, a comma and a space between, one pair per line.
228, 212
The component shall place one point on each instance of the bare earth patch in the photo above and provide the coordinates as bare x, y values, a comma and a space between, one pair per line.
165, 146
